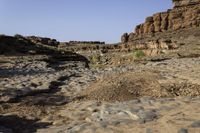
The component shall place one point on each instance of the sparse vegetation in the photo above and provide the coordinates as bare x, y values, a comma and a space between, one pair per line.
97, 66
18, 36
138, 53
95, 59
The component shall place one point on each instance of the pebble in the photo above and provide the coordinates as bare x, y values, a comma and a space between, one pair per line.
147, 116
88, 119
196, 124
148, 130
103, 124
183, 130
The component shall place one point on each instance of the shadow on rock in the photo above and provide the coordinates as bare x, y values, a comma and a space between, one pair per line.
15, 124
5, 73
46, 100
55, 60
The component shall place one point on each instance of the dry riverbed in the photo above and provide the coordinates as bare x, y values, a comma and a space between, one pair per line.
149, 97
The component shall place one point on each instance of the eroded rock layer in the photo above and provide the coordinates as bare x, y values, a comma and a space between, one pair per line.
185, 14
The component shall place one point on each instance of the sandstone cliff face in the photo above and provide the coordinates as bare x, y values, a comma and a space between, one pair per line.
185, 14
179, 3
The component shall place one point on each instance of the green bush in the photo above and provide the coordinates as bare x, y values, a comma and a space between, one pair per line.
97, 66
138, 53
95, 59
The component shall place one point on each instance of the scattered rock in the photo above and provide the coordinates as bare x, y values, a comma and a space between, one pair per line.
183, 130
148, 130
196, 124
147, 116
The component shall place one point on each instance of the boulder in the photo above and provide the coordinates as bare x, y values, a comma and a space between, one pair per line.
124, 38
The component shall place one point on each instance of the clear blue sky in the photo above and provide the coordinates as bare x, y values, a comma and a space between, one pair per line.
64, 20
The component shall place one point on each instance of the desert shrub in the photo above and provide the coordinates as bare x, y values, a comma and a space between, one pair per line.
95, 59
18, 36
138, 53
97, 66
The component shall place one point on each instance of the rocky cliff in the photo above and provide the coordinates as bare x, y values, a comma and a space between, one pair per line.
185, 14
16, 45
179, 3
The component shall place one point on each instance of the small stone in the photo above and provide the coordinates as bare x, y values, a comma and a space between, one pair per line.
88, 119
142, 121
137, 109
148, 130
103, 124
115, 123
148, 115
122, 114
166, 108
183, 130
34, 85
196, 124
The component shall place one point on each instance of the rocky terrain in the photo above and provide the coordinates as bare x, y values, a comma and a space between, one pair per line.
148, 83
160, 96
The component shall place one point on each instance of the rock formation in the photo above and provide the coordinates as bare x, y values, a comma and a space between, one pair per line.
86, 42
179, 3
185, 14
124, 37
19, 44
43, 40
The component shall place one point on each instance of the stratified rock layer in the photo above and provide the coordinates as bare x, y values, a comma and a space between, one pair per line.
185, 14
178, 3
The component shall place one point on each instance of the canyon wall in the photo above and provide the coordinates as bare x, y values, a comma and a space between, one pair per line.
179, 3
185, 14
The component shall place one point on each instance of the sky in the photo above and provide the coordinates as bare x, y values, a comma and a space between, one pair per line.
81, 20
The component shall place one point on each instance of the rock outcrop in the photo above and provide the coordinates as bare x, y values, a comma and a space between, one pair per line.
86, 42
19, 44
185, 14
179, 3
124, 37
43, 40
